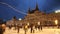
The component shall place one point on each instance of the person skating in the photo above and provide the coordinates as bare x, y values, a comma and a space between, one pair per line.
1, 31
32, 28
18, 29
41, 27
25, 28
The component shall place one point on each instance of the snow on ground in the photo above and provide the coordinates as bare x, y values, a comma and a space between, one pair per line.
44, 31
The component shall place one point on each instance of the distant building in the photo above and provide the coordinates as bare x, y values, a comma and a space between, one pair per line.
13, 21
35, 16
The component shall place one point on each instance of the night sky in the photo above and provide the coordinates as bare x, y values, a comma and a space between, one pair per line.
19, 8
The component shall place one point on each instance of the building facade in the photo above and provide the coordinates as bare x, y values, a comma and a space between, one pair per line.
36, 16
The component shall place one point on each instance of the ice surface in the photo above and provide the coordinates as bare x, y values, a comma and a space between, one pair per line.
45, 30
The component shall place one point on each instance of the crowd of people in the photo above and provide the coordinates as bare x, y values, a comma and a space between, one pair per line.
25, 27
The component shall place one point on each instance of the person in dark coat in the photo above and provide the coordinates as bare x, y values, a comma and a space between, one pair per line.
32, 28
1, 30
18, 28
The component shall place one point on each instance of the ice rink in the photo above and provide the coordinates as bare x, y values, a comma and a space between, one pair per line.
44, 31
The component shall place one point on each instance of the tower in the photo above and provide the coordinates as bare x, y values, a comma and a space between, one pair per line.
29, 11
36, 7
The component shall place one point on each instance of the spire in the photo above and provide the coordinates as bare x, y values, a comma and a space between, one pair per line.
36, 6
14, 17
29, 10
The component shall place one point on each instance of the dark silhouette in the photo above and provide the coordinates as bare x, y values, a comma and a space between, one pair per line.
32, 30
10, 27
39, 27
18, 29
1, 30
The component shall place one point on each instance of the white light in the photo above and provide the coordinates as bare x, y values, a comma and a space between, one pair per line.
20, 19
38, 23
56, 22
57, 11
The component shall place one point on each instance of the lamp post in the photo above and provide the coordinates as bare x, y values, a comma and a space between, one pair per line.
56, 22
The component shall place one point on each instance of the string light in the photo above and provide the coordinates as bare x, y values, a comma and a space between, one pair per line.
12, 8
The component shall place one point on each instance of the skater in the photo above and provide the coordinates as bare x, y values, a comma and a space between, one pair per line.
18, 29
25, 28
9, 27
32, 28
39, 27
2, 29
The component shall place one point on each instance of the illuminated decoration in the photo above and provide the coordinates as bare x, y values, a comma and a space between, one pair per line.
38, 23
20, 19
56, 22
57, 11
12, 8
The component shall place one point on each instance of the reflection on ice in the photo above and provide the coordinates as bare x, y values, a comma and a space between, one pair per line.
44, 31
57, 32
